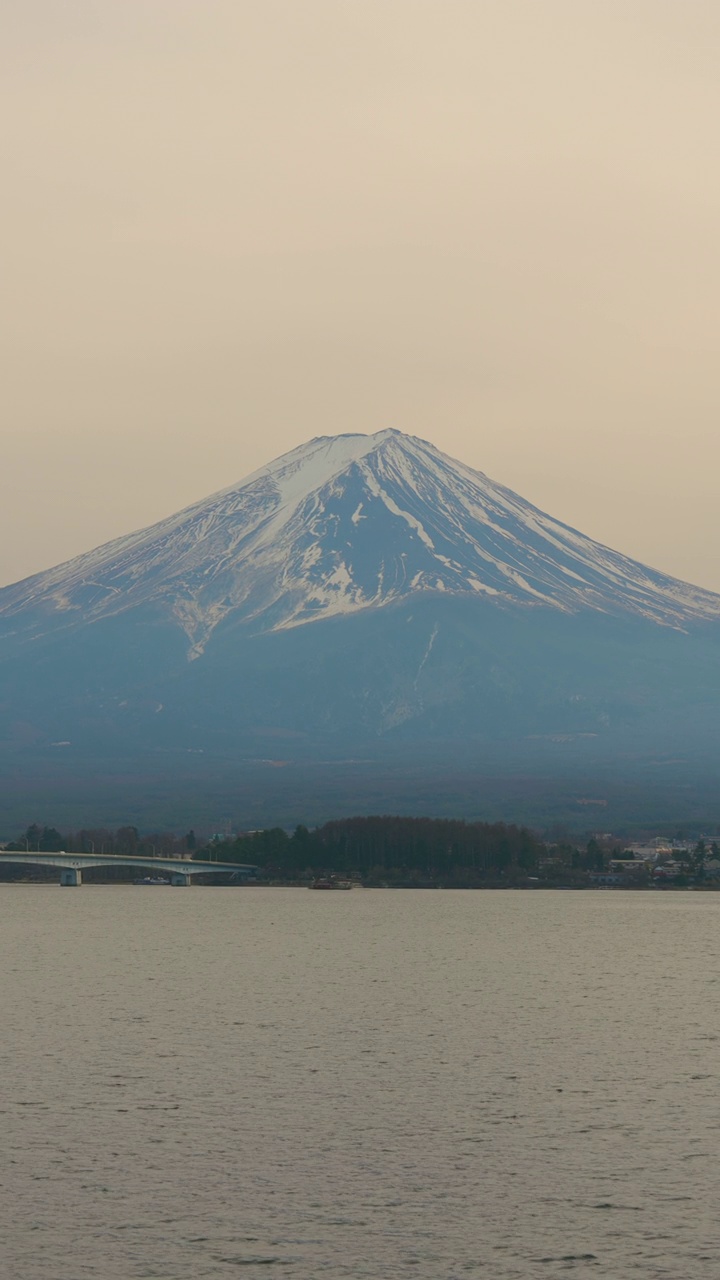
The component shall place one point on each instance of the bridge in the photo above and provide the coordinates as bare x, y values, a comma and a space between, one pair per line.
72, 865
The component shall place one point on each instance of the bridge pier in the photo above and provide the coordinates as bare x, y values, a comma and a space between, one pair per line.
71, 876
179, 878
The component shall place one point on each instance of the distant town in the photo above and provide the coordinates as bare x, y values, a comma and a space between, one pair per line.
392, 852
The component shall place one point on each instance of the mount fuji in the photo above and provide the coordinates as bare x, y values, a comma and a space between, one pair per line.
360, 597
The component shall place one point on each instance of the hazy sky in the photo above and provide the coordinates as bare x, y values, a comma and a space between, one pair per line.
231, 225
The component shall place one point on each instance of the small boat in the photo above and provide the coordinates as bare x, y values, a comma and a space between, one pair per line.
151, 880
330, 882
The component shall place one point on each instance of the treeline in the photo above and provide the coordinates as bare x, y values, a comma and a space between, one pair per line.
125, 840
376, 850
391, 850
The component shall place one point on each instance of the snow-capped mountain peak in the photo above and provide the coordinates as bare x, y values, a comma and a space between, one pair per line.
346, 523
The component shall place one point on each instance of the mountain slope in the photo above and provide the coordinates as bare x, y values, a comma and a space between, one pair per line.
342, 524
364, 604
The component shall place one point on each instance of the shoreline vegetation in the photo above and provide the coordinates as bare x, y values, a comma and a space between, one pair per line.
391, 852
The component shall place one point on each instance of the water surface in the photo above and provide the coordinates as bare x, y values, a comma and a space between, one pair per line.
276, 1083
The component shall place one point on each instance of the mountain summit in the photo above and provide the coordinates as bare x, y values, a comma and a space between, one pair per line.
347, 523
366, 600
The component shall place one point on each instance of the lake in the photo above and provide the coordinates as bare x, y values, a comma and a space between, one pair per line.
251, 1082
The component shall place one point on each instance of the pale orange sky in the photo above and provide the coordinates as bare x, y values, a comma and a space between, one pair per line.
231, 226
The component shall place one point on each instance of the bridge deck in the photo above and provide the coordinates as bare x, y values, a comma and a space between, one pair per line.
81, 861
